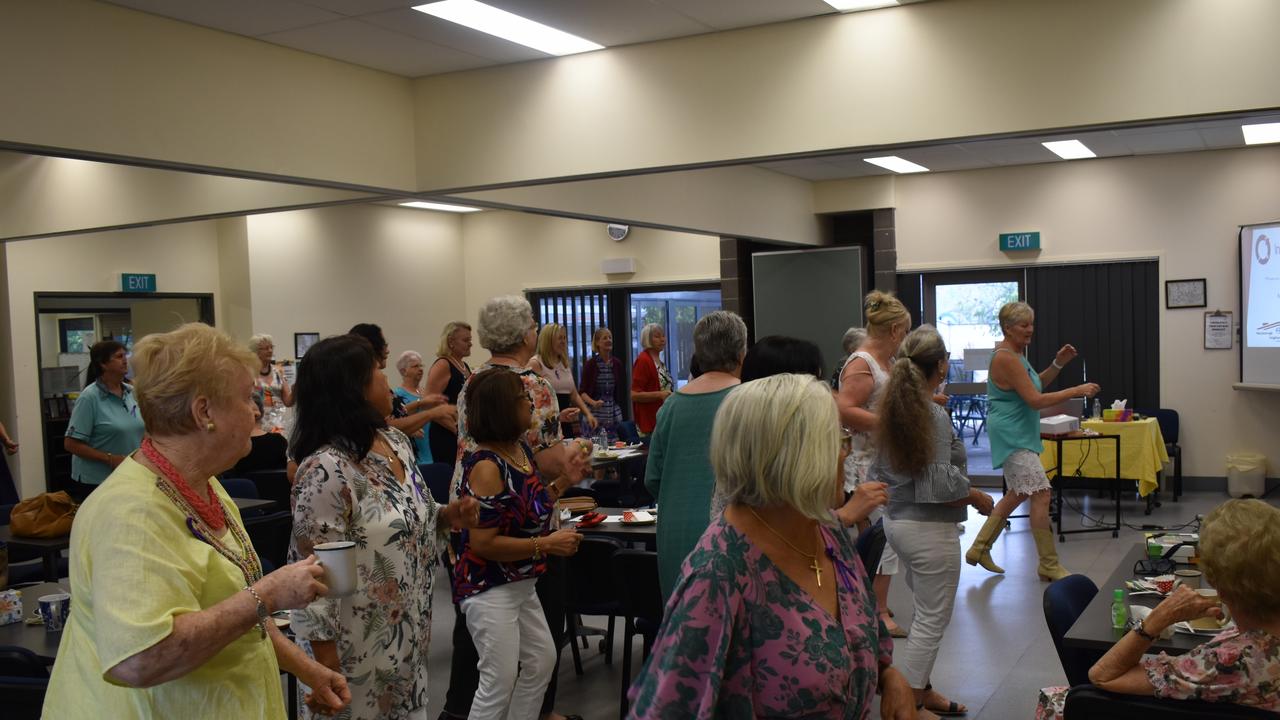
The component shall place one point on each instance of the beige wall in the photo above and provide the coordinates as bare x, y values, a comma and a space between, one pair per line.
184, 258
507, 253
1182, 209
96, 77
45, 195
746, 201
328, 269
926, 71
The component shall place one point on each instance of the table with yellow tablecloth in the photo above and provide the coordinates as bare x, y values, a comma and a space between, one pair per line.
1142, 453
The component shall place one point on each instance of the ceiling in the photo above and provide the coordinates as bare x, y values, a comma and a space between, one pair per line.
1207, 134
389, 35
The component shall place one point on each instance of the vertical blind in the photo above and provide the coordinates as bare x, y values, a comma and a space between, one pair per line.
580, 312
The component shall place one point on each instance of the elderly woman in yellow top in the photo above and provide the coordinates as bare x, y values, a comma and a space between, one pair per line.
171, 613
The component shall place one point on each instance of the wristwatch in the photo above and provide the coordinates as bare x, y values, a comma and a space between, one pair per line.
1141, 629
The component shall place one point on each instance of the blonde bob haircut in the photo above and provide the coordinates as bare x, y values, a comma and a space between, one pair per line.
597, 336
1240, 556
547, 353
646, 335
776, 441
1013, 313
171, 370
447, 335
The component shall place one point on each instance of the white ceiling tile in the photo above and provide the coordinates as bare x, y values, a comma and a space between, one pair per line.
807, 169
722, 15
1222, 136
243, 17
369, 45
607, 22
1103, 144
943, 158
452, 35
360, 7
1164, 142
1002, 152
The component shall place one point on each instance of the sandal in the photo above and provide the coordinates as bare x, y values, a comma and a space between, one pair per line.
895, 630
953, 708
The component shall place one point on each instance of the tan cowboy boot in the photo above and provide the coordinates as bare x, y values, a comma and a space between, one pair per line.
980, 552
1049, 569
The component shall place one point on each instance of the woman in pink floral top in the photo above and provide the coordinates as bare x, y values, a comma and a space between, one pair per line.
1240, 557
773, 615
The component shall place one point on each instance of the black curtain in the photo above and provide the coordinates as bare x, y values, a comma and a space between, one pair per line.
1109, 312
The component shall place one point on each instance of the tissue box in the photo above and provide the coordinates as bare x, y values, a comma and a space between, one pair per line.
1059, 425
10, 607
1168, 540
1117, 415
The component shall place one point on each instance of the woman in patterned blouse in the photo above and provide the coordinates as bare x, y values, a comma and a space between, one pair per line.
357, 481
1240, 557
494, 578
773, 615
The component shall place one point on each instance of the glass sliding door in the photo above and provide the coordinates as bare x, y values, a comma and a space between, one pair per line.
965, 308
677, 312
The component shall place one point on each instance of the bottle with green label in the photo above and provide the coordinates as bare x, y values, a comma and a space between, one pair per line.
1119, 610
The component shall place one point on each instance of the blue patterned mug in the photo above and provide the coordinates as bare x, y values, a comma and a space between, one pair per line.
54, 610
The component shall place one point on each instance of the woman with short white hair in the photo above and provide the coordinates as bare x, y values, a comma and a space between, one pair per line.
678, 472
651, 382
773, 593
414, 400
270, 383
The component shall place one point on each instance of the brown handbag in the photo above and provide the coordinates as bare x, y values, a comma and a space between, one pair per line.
47, 515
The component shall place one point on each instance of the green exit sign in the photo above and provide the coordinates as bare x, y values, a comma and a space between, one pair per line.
1012, 242
137, 283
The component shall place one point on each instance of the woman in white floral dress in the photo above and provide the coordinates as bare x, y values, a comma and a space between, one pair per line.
357, 481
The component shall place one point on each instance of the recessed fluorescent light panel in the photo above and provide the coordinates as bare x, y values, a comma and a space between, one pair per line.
1069, 149
856, 5
897, 164
442, 207
1261, 134
508, 26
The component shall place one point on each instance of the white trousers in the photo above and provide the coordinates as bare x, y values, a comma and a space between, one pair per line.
517, 654
930, 554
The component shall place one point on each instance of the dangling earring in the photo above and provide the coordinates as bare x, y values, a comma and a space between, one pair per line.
209, 426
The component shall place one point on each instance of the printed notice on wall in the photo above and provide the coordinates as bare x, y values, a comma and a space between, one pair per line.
1218, 330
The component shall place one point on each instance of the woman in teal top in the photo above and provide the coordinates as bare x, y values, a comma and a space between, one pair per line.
678, 474
105, 426
1014, 390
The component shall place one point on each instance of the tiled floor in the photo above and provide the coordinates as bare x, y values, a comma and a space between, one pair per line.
997, 652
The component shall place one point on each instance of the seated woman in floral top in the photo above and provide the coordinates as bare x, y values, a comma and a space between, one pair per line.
1240, 557
773, 615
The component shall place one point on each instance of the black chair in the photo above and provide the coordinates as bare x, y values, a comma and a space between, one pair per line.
591, 591
1064, 601
1087, 701
628, 432
270, 535
1169, 425
870, 546
438, 477
23, 682
636, 575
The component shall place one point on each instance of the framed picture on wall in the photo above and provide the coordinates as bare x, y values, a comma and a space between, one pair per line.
1184, 293
302, 342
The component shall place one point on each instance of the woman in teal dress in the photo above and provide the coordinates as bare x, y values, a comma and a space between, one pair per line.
1013, 424
678, 474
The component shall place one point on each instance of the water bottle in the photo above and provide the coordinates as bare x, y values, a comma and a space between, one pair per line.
1097, 409
602, 438
1119, 610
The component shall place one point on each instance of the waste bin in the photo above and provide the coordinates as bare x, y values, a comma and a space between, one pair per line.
1246, 474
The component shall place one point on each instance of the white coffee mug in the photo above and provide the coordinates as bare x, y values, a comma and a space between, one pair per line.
1190, 578
339, 562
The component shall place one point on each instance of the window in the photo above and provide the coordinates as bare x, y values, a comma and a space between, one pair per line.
76, 335
580, 312
677, 313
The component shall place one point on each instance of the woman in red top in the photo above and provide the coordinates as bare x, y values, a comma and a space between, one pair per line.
651, 382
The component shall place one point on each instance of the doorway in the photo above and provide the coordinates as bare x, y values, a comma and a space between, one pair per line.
68, 324
964, 307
